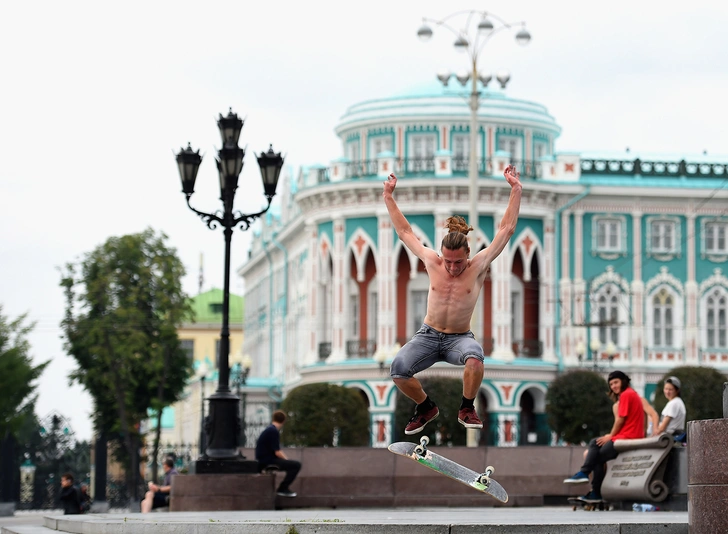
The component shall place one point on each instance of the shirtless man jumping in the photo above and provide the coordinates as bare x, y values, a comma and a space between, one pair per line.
455, 283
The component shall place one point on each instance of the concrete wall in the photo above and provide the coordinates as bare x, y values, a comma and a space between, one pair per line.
351, 477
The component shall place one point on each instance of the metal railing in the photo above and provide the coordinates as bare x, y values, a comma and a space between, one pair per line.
324, 350
654, 168
528, 348
361, 348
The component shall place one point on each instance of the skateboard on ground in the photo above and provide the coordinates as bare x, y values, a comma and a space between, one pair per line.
479, 481
589, 506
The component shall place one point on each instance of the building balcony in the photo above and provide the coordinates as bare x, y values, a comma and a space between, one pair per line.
324, 350
361, 348
528, 348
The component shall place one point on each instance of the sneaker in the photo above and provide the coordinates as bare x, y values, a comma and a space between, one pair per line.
591, 497
578, 478
469, 419
418, 421
286, 493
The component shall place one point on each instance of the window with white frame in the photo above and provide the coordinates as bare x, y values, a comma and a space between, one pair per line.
716, 319
663, 308
354, 311
352, 150
379, 144
372, 312
539, 150
516, 308
418, 307
716, 233
608, 235
512, 145
609, 307
422, 146
461, 148
663, 236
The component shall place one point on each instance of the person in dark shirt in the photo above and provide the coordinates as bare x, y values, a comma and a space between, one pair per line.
70, 495
268, 452
158, 495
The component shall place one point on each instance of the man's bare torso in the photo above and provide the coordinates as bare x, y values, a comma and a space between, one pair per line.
451, 299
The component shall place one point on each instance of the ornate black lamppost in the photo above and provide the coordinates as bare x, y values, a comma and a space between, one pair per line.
222, 425
240, 371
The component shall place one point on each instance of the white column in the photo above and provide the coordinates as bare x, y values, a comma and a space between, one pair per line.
386, 335
338, 343
312, 290
546, 292
500, 272
565, 297
637, 348
580, 291
691, 296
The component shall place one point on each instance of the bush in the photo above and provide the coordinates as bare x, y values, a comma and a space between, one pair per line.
701, 391
447, 393
578, 406
325, 415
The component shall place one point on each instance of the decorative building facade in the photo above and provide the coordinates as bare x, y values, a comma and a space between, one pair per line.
617, 260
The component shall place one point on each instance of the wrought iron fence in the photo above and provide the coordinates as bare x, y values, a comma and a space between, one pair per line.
361, 348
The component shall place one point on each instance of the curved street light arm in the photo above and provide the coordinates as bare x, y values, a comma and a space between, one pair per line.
211, 219
245, 220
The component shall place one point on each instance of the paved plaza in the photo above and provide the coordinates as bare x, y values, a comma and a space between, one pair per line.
555, 520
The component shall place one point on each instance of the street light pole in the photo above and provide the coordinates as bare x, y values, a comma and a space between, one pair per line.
472, 42
223, 423
241, 369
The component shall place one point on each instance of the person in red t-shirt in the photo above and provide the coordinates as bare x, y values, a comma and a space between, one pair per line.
629, 424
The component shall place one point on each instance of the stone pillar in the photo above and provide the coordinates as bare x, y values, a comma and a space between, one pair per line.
338, 343
691, 296
707, 476
547, 292
500, 273
312, 284
386, 336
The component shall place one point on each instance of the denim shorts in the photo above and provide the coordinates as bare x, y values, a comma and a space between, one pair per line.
428, 346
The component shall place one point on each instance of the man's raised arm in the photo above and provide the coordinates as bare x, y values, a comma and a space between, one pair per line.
400, 223
508, 223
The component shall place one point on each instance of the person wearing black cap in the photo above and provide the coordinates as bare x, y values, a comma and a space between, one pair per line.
673, 414
629, 424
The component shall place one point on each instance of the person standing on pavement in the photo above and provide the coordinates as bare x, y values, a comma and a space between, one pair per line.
455, 284
70, 496
268, 452
629, 424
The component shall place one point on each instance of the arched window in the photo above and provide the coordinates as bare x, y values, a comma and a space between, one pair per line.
663, 318
716, 319
607, 306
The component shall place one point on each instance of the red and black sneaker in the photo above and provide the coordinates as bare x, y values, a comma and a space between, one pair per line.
469, 418
418, 421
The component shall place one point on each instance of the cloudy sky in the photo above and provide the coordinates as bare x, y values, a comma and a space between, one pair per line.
96, 97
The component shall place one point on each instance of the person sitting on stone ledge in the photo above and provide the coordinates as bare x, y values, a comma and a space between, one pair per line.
629, 424
268, 452
673, 414
158, 495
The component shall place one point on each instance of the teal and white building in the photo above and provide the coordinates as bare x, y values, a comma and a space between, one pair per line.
618, 259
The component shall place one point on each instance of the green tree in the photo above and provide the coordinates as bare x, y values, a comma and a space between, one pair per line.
17, 374
124, 304
578, 406
701, 391
321, 415
447, 393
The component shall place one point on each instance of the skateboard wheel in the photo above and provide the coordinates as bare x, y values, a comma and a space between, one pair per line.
420, 450
424, 440
489, 470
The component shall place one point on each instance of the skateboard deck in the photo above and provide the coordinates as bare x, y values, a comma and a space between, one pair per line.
589, 506
479, 481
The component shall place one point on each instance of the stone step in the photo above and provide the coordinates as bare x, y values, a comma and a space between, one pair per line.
531, 520
26, 529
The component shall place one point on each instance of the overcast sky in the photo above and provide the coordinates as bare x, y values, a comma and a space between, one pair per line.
97, 96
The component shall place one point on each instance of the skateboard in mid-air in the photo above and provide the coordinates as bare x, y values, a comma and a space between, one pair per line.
589, 506
479, 481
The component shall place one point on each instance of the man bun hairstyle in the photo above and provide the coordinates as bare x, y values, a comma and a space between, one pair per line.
457, 233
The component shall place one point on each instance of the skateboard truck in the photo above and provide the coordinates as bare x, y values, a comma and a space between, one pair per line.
484, 478
421, 449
